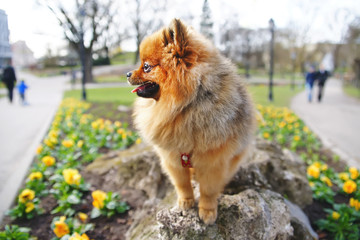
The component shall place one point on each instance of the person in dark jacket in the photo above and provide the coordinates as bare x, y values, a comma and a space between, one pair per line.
9, 78
22, 88
322, 76
310, 79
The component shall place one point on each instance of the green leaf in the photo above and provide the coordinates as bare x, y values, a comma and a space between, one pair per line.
73, 199
95, 213
111, 205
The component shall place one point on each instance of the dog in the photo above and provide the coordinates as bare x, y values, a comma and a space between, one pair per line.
196, 112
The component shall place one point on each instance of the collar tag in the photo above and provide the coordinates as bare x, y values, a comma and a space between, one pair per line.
185, 160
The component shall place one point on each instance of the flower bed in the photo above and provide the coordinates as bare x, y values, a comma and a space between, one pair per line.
76, 138
338, 191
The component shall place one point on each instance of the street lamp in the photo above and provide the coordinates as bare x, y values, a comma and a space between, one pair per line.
271, 72
293, 58
82, 14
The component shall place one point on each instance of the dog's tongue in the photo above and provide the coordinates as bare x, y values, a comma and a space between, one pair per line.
142, 87
135, 90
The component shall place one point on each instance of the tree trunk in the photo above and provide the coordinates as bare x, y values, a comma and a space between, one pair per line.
88, 66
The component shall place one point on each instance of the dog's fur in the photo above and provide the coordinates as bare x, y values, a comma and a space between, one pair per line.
201, 108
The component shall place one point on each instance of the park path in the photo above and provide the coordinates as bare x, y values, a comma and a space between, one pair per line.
336, 120
22, 129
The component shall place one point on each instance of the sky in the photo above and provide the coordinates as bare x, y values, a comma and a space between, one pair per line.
325, 19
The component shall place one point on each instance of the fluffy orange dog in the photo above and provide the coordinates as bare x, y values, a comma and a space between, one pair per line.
195, 110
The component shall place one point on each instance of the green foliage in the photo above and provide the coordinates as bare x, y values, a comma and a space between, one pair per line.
345, 227
66, 227
110, 206
15, 233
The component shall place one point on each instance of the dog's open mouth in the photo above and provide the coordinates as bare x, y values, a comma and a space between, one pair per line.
147, 90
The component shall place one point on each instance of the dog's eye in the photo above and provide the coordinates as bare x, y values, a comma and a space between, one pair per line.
147, 68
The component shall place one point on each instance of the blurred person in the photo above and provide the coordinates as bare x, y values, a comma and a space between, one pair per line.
9, 78
322, 75
22, 89
310, 79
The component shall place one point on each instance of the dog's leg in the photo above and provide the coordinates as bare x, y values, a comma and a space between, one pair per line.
213, 175
181, 179
212, 182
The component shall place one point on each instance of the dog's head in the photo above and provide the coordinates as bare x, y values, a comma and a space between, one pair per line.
167, 57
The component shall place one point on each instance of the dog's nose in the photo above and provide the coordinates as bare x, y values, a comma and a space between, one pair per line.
128, 74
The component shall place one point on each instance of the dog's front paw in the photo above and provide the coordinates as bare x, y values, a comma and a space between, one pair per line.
186, 203
208, 215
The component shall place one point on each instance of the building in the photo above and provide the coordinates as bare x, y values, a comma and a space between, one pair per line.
5, 49
22, 55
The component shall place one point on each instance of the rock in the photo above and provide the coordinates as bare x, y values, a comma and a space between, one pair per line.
301, 224
248, 215
137, 168
252, 206
272, 168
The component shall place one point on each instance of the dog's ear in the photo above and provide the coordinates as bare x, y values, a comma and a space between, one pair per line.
176, 33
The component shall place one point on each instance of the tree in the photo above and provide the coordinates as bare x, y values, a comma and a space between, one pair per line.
206, 23
353, 42
145, 18
83, 22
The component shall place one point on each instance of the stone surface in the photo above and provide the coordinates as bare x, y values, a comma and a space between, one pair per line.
250, 208
272, 168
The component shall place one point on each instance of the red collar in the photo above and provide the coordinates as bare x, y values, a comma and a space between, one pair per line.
185, 160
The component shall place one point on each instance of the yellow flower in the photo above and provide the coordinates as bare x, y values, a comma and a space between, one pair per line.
297, 138
349, 186
72, 176
313, 171
95, 125
290, 127
26, 195
324, 167
53, 134
138, 141
29, 207
306, 129
266, 135
80, 143
68, 143
82, 216
317, 164
311, 184
282, 124
344, 176
117, 124
296, 125
335, 215
355, 204
99, 197
35, 176
326, 180
77, 236
124, 136
354, 172
120, 131
61, 228
48, 161
39, 149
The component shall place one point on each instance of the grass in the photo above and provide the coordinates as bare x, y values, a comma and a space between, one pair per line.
123, 58
123, 96
352, 91
282, 95
120, 95
110, 78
